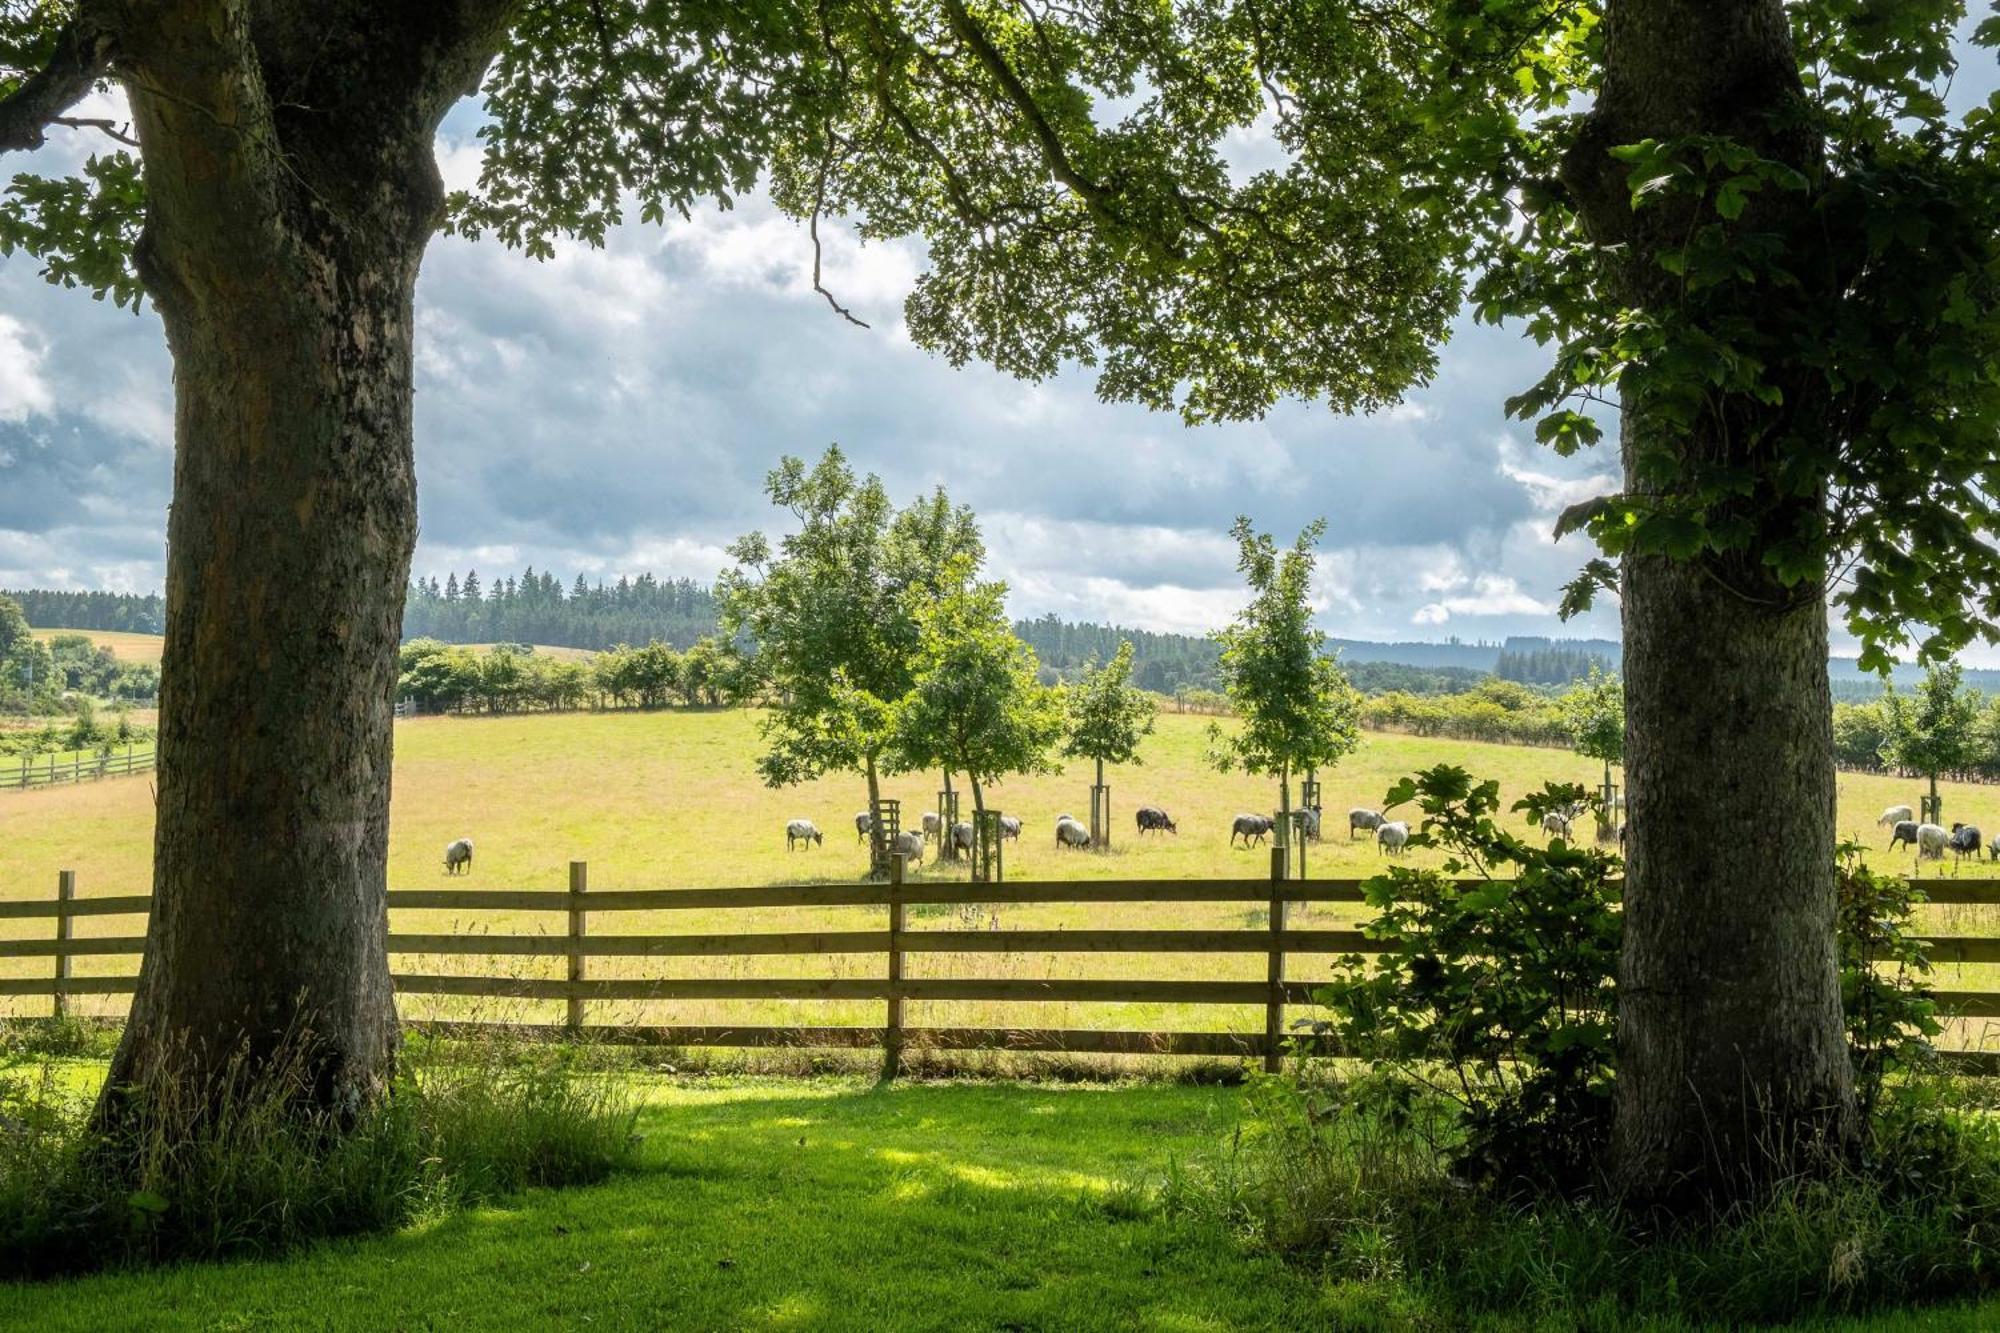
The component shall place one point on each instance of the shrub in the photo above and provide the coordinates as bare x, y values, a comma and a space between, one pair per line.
237, 1168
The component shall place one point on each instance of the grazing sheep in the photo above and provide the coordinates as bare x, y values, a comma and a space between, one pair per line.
1363, 819
863, 821
458, 856
1931, 840
1310, 819
1069, 833
1249, 828
1152, 819
802, 830
1905, 831
1965, 838
961, 836
1557, 822
933, 825
1010, 827
1895, 814
910, 846
1392, 836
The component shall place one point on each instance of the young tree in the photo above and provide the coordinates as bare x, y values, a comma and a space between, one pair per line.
1107, 716
834, 614
974, 705
1593, 713
1937, 732
1295, 710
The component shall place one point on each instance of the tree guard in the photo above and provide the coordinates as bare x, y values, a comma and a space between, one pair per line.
888, 816
1607, 814
947, 810
986, 855
1100, 817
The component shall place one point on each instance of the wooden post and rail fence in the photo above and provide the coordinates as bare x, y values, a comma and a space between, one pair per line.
895, 943
30, 771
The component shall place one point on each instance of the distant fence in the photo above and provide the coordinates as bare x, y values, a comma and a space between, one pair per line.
894, 942
18, 774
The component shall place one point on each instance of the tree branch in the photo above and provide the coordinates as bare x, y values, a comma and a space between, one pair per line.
80, 58
122, 133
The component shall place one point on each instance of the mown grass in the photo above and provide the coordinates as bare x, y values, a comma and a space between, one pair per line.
671, 799
830, 1204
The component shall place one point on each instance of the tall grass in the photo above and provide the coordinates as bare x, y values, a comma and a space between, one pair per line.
237, 1168
1357, 1191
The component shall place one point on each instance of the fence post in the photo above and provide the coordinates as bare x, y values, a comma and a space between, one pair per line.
892, 1031
579, 882
1274, 1006
65, 896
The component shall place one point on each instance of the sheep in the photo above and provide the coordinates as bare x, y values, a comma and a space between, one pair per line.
1965, 838
961, 836
1069, 833
1309, 817
933, 825
1895, 814
1152, 819
863, 822
1010, 827
1250, 827
803, 831
910, 846
1362, 819
1391, 836
458, 857
1904, 831
1931, 841
1556, 822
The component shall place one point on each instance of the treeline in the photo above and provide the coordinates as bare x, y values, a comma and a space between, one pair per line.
1865, 739
437, 677
536, 608
1551, 665
132, 613
1162, 663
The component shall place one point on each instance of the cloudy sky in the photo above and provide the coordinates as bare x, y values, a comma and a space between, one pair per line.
615, 411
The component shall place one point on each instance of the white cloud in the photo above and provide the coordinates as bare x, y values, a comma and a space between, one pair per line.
23, 391
1484, 595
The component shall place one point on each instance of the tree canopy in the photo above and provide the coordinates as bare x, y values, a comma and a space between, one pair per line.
1935, 732
1107, 716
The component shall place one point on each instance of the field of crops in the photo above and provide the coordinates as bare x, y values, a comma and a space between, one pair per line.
670, 800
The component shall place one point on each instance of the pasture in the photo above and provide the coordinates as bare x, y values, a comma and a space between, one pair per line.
124, 646
671, 800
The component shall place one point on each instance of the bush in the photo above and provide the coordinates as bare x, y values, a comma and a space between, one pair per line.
237, 1169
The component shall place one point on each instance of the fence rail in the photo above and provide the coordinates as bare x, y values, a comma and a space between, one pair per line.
26, 772
1278, 940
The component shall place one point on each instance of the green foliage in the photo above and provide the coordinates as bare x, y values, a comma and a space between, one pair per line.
1107, 716
1937, 732
1296, 710
974, 706
1594, 715
1890, 1012
1497, 993
240, 1169
834, 611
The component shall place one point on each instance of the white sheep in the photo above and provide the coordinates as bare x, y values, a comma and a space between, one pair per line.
1362, 819
863, 821
1557, 823
1391, 836
1932, 839
458, 856
1895, 814
1250, 828
961, 836
802, 831
1309, 820
910, 846
1010, 827
933, 824
1069, 833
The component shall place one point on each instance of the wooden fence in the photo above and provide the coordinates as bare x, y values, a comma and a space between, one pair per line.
19, 774
895, 941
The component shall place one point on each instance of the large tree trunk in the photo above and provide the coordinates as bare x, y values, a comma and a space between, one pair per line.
1732, 1058
291, 190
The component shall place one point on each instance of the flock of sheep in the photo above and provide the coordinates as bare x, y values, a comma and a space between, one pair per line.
1933, 840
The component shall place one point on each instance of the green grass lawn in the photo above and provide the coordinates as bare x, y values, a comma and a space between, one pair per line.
821, 1204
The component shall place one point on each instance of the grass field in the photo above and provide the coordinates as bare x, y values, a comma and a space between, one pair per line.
830, 1204
670, 799
125, 647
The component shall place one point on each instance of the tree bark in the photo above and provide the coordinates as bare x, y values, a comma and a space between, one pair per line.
290, 193
1733, 1062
